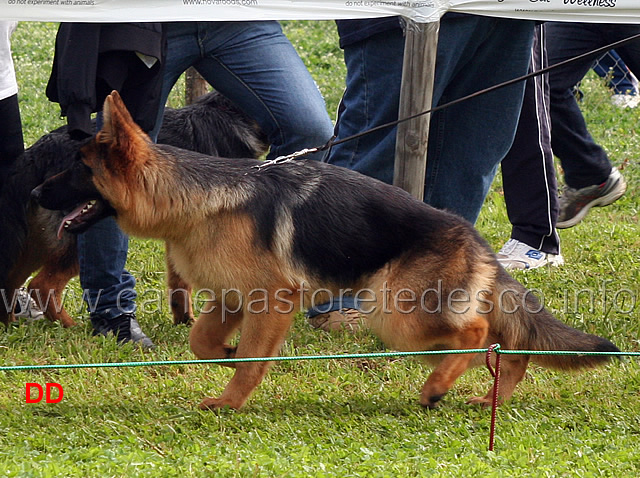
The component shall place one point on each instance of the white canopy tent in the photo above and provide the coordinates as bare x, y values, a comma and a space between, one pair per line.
421, 39
609, 11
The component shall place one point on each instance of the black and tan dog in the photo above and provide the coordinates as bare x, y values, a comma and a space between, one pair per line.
28, 243
265, 240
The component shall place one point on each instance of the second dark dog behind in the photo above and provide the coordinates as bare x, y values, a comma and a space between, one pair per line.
28, 243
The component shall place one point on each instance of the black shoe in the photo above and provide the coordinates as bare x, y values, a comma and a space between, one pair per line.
125, 327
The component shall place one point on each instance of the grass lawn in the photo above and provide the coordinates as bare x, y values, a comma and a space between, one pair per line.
332, 417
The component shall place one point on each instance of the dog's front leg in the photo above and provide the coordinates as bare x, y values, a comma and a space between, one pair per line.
262, 336
209, 335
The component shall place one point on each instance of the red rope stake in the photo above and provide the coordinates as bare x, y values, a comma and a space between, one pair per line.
496, 385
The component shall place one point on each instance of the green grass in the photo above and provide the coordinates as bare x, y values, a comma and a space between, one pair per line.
333, 417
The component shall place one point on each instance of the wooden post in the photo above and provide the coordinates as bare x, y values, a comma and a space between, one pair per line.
415, 96
194, 86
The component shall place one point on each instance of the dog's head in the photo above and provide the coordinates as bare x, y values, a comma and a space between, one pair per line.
73, 190
96, 185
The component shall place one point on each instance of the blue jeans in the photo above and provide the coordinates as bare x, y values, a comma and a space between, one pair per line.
466, 141
371, 98
108, 287
584, 162
256, 67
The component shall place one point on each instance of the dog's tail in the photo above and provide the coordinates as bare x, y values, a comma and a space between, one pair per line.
521, 322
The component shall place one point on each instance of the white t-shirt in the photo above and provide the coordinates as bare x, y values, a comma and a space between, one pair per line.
8, 84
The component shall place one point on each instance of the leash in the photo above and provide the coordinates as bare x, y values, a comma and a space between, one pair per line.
594, 53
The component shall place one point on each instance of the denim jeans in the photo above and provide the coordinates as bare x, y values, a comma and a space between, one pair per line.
371, 98
255, 66
108, 288
467, 141
584, 162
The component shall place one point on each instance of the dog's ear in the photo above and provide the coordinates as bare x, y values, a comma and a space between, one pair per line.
119, 130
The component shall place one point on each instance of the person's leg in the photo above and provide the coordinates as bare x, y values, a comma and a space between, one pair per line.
528, 174
255, 66
629, 53
584, 162
371, 98
11, 147
11, 140
590, 178
467, 141
109, 288
183, 51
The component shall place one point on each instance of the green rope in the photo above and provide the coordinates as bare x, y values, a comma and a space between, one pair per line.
236, 360
496, 349
566, 352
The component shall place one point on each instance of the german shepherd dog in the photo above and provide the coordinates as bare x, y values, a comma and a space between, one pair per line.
280, 233
211, 125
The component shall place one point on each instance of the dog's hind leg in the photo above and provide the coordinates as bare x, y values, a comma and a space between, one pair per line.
179, 293
512, 371
262, 336
472, 336
47, 289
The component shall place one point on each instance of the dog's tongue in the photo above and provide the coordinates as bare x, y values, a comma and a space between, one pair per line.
70, 217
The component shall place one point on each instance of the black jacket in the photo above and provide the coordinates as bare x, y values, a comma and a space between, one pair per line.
92, 59
353, 31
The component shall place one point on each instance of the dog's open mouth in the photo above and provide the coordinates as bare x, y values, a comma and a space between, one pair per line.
83, 216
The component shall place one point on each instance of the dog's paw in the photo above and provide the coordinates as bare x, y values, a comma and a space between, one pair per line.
431, 402
211, 403
484, 402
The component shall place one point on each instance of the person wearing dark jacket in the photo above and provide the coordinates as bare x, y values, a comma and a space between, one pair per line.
93, 59
90, 61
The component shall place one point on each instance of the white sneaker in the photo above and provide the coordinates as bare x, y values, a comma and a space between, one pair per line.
26, 307
518, 255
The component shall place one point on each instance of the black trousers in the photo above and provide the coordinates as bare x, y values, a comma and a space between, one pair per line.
584, 162
528, 174
11, 141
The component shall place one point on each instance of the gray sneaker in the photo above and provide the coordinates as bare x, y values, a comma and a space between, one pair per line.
575, 203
